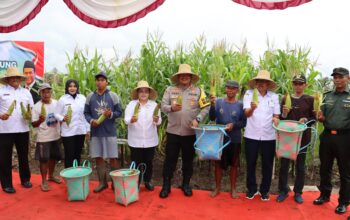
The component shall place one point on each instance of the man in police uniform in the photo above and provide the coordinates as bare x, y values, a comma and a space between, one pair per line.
334, 141
189, 112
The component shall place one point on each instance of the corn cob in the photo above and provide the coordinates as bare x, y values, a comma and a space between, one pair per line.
101, 119
203, 101
43, 110
179, 100
213, 87
23, 110
136, 110
318, 98
29, 113
69, 115
11, 108
156, 110
288, 102
255, 96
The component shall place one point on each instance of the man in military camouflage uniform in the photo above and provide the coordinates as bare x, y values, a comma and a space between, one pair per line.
186, 106
334, 141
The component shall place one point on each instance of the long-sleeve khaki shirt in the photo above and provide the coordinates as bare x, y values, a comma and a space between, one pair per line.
179, 123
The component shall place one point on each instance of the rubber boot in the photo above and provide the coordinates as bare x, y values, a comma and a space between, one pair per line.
186, 188
102, 178
166, 188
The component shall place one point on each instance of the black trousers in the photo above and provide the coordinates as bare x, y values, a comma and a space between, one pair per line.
144, 155
335, 147
72, 149
175, 144
267, 151
21, 141
300, 175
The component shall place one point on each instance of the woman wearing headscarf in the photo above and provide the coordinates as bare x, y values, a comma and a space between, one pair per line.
142, 127
74, 128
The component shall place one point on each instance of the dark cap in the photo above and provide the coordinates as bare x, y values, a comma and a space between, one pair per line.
44, 86
29, 64
101, 74
232, 83
341, 71
299, 78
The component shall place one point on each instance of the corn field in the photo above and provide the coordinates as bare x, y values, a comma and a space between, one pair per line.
156, 62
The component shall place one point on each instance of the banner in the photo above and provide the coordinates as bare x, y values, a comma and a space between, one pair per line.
15, 53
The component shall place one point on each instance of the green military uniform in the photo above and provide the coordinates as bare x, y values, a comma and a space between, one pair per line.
334, 143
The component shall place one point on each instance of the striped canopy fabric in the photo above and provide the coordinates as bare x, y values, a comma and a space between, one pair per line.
111, 13
15, 14
271, 4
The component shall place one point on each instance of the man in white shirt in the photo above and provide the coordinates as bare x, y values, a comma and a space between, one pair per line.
14, 129
259, 135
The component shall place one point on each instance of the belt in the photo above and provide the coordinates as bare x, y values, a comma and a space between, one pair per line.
335, 132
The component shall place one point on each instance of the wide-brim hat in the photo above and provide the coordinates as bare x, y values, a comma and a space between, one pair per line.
184, 69
11, 72
143, 84
263, 75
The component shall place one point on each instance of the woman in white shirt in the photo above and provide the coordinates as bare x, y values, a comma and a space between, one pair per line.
73, 135
142, 128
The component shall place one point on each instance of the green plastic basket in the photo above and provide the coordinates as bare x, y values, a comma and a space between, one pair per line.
77, 180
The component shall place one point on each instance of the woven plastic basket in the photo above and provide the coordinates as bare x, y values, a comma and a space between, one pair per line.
77, 180
209, 143
126, 187
288, 138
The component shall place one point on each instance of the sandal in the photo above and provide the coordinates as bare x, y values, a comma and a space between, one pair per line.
45, 187
55, 179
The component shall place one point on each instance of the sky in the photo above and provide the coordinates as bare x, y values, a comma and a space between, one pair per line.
322, 25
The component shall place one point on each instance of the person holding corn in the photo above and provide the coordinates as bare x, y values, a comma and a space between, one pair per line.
102, 108
262, 108
186, 105
228, 111
334, 140
74, 127
14, 128
297, 107
142, 115
48, 150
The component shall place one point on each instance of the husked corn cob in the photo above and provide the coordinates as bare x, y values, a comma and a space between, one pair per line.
101, 119
213, 87
255, 96
69, 115
29, 113
23, 110
11, 108
288, 102
156, 110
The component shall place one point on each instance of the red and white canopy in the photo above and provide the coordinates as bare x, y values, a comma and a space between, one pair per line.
15, 14
111, 13
271, 4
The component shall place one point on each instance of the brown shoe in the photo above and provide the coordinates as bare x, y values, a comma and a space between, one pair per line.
55, 179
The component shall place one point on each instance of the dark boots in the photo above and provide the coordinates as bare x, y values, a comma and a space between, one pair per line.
186, 188
166, 188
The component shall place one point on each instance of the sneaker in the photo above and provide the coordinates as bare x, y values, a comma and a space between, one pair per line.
298, 198
251, 195
281, 197
265, 197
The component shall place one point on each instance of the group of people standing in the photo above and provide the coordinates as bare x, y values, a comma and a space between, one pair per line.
185, 105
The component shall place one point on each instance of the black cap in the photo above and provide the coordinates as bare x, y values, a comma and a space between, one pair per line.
299, 78
232, 83
29, 64
101, 74
341, 71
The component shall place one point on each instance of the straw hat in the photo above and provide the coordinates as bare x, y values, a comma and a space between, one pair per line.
11, 72
263, 75
184, 69
143, 84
